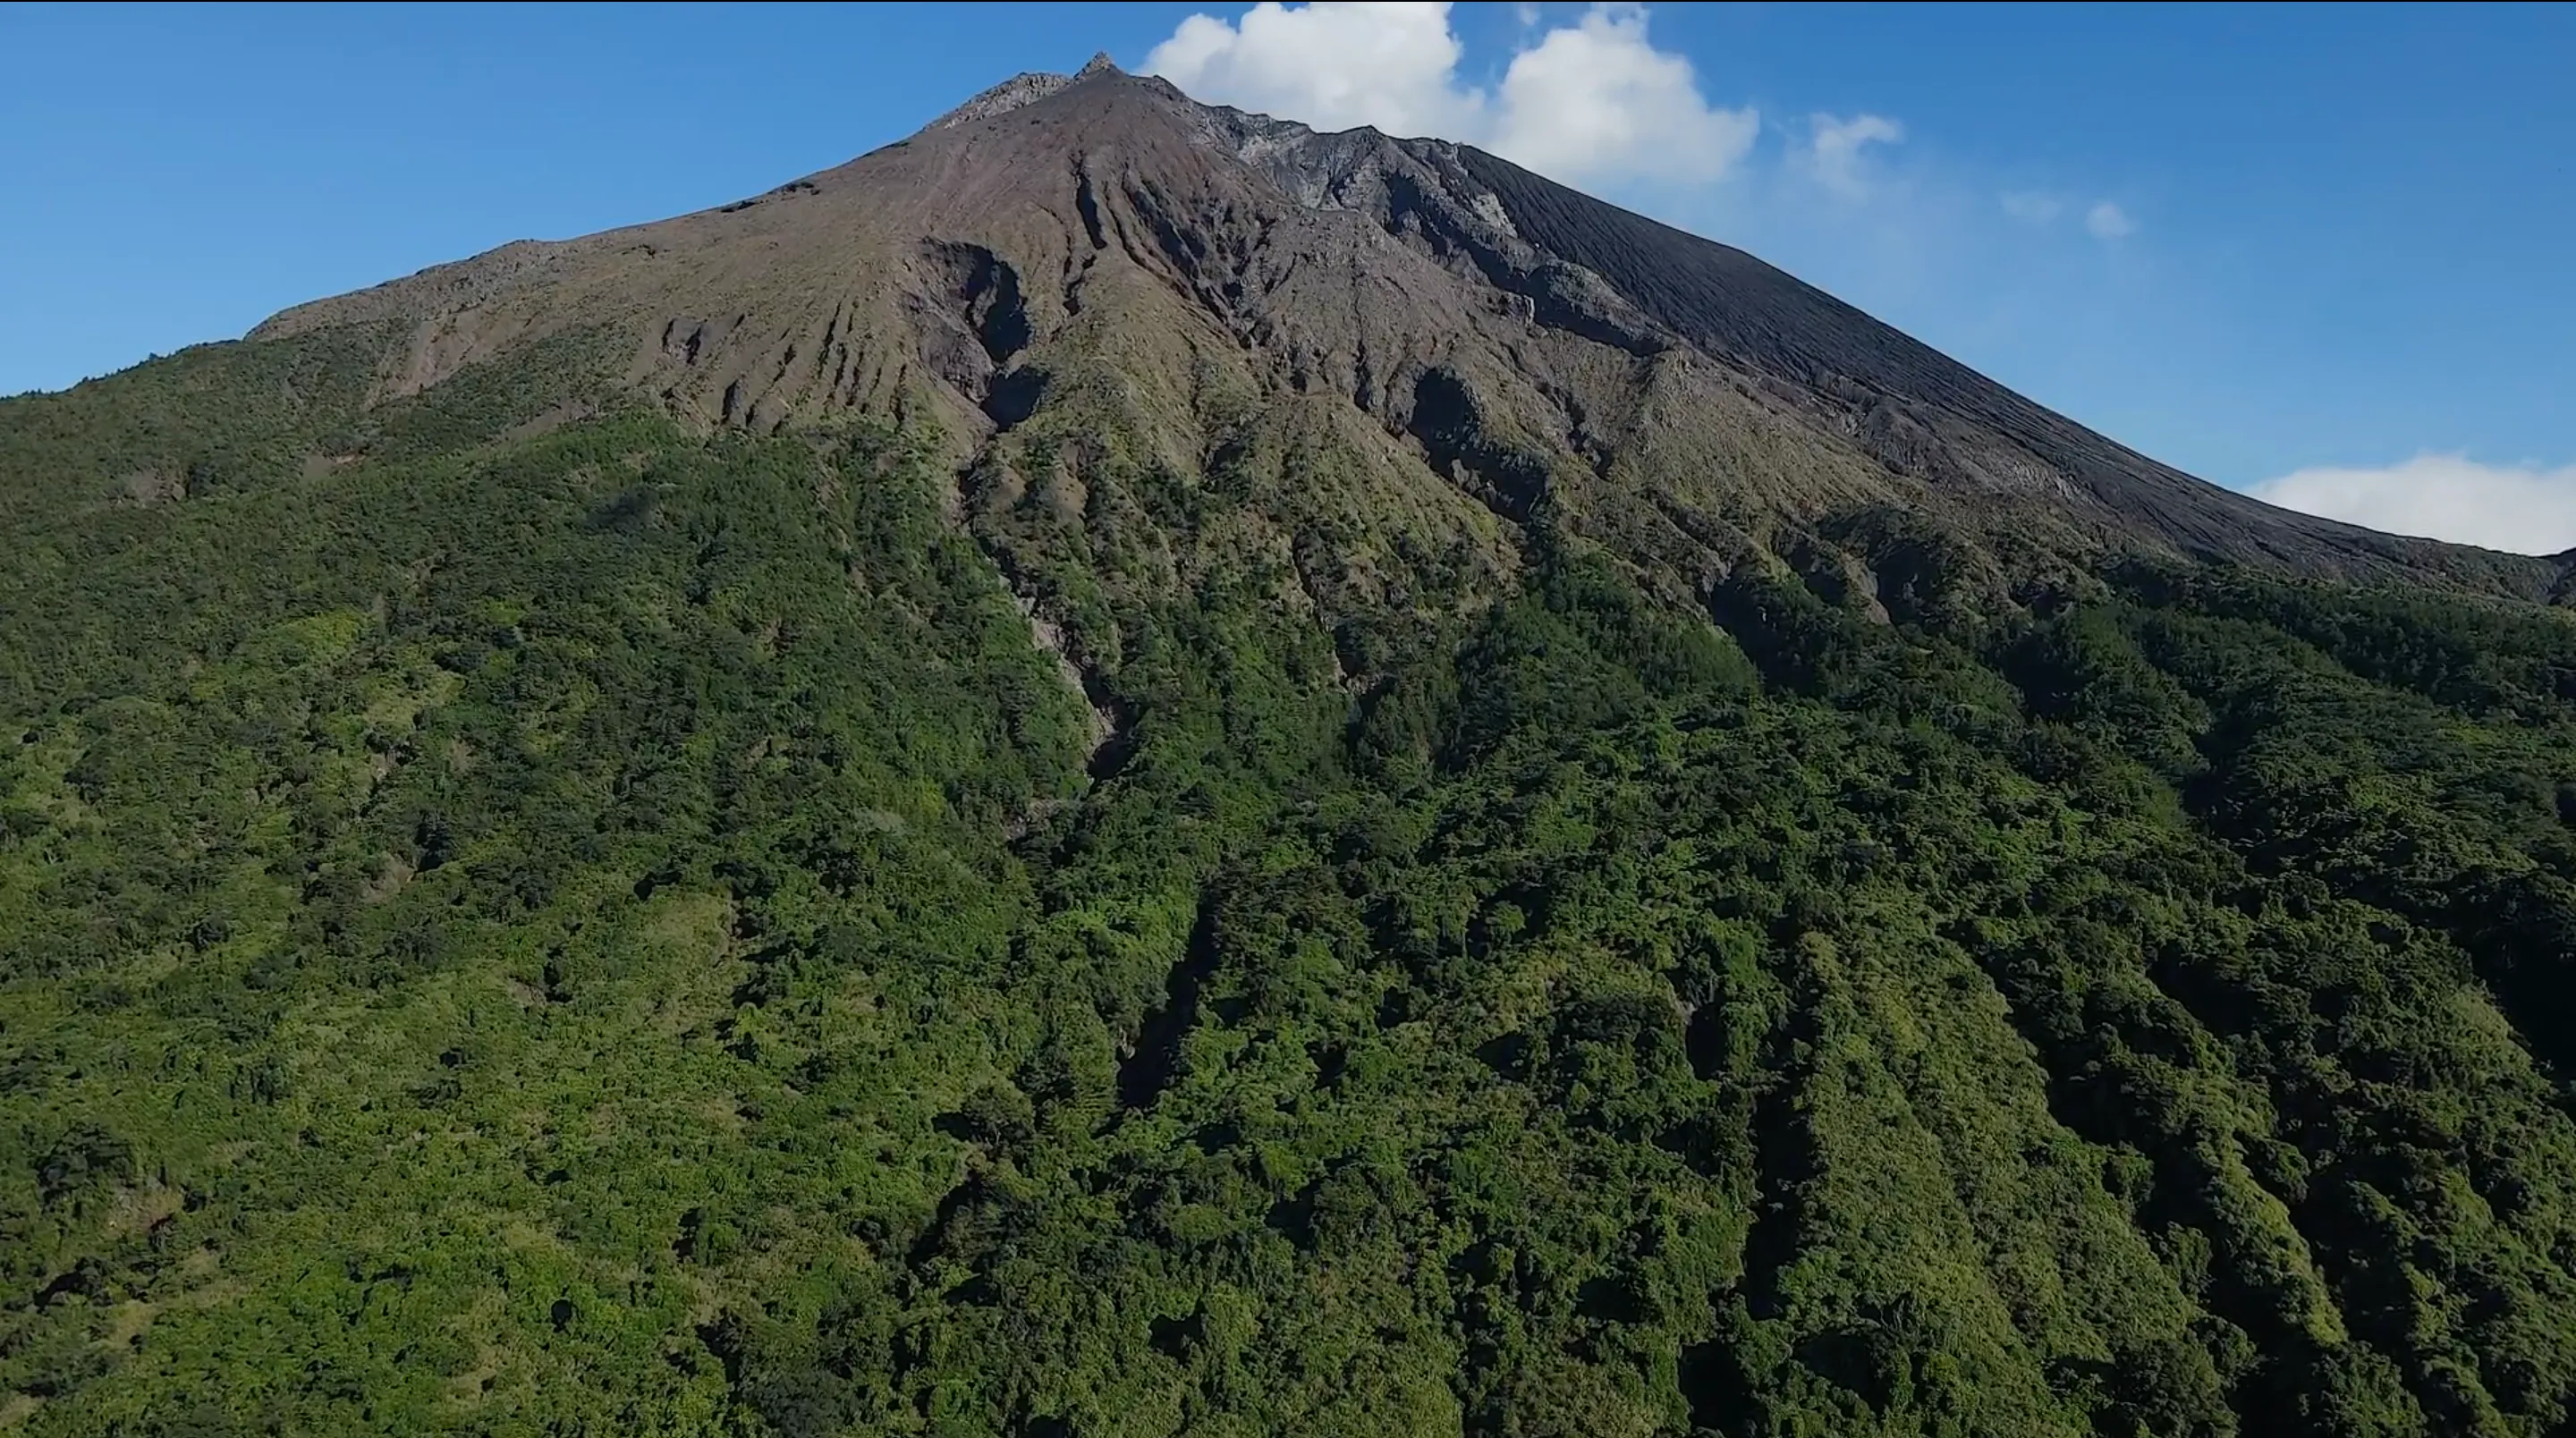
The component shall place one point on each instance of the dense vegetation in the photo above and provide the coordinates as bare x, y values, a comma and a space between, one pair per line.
523, 920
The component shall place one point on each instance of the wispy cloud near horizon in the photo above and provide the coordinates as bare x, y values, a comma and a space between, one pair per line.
2520, 509
2107, 221
1835, 150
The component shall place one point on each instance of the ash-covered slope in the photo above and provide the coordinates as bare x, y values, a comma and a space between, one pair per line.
1522, 338
1913, 408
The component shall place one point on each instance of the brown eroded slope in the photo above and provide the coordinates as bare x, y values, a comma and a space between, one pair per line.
1198, 270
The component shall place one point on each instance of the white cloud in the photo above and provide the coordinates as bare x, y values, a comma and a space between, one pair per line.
1598, 99
2519, 509
1333, 66
1594, 100
1835, 150
2108, 221
2103, 219
2032, 207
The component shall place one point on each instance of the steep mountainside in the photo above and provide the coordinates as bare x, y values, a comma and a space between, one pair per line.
1123, 769
1447, 296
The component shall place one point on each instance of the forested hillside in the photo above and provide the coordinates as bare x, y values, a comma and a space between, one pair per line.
1176, 907
610, 930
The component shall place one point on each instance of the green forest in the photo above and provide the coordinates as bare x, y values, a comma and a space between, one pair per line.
520, 917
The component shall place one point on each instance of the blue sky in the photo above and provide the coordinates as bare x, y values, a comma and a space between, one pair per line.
2318, 252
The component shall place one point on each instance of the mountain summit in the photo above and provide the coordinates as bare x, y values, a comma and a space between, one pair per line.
1128, 770
1517, 336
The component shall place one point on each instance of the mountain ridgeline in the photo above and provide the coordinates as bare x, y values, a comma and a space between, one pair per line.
1124, 769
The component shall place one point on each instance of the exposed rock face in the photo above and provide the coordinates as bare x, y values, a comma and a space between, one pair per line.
1023, 89
1523, 341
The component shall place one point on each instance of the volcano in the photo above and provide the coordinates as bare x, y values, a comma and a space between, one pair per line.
1127, 769
1513, 335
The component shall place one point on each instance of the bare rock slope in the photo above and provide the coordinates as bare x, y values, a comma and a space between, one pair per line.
1431, 316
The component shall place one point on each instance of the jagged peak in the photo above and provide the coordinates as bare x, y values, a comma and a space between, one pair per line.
1024, 89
